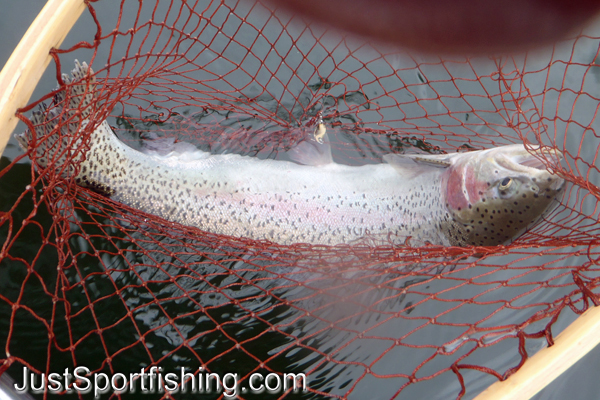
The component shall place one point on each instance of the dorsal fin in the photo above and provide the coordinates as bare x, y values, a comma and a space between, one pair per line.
311, 152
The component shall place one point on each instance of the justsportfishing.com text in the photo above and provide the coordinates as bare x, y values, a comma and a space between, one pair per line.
155, 380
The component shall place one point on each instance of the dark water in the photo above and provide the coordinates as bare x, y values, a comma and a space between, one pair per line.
136, 301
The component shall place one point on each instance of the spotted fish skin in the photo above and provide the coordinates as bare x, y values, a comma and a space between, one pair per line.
449, 200
279, 201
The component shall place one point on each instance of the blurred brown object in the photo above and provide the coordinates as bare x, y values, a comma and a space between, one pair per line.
453, 26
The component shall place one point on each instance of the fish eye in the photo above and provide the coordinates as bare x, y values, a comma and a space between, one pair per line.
505, 184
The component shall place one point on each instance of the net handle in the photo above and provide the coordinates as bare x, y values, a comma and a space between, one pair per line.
570, 345
30, 58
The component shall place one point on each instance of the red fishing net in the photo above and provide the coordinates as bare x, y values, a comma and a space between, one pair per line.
89, 282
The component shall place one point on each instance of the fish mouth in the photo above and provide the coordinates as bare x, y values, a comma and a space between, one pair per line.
533, 161
538, 157
537, 160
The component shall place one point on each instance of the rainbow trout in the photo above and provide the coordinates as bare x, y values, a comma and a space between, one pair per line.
486, 197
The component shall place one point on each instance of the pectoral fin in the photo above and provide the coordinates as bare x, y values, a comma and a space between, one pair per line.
412, 165
435, 160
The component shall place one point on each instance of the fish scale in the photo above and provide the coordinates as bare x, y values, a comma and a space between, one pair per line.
448, 200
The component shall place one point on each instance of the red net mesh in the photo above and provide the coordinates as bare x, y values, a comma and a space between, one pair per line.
87, 281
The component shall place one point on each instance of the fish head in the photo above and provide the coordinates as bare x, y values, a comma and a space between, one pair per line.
495, 195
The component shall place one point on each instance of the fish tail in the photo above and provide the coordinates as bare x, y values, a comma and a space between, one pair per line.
55, 140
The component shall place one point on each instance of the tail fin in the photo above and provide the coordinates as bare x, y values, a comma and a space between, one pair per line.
54, 141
